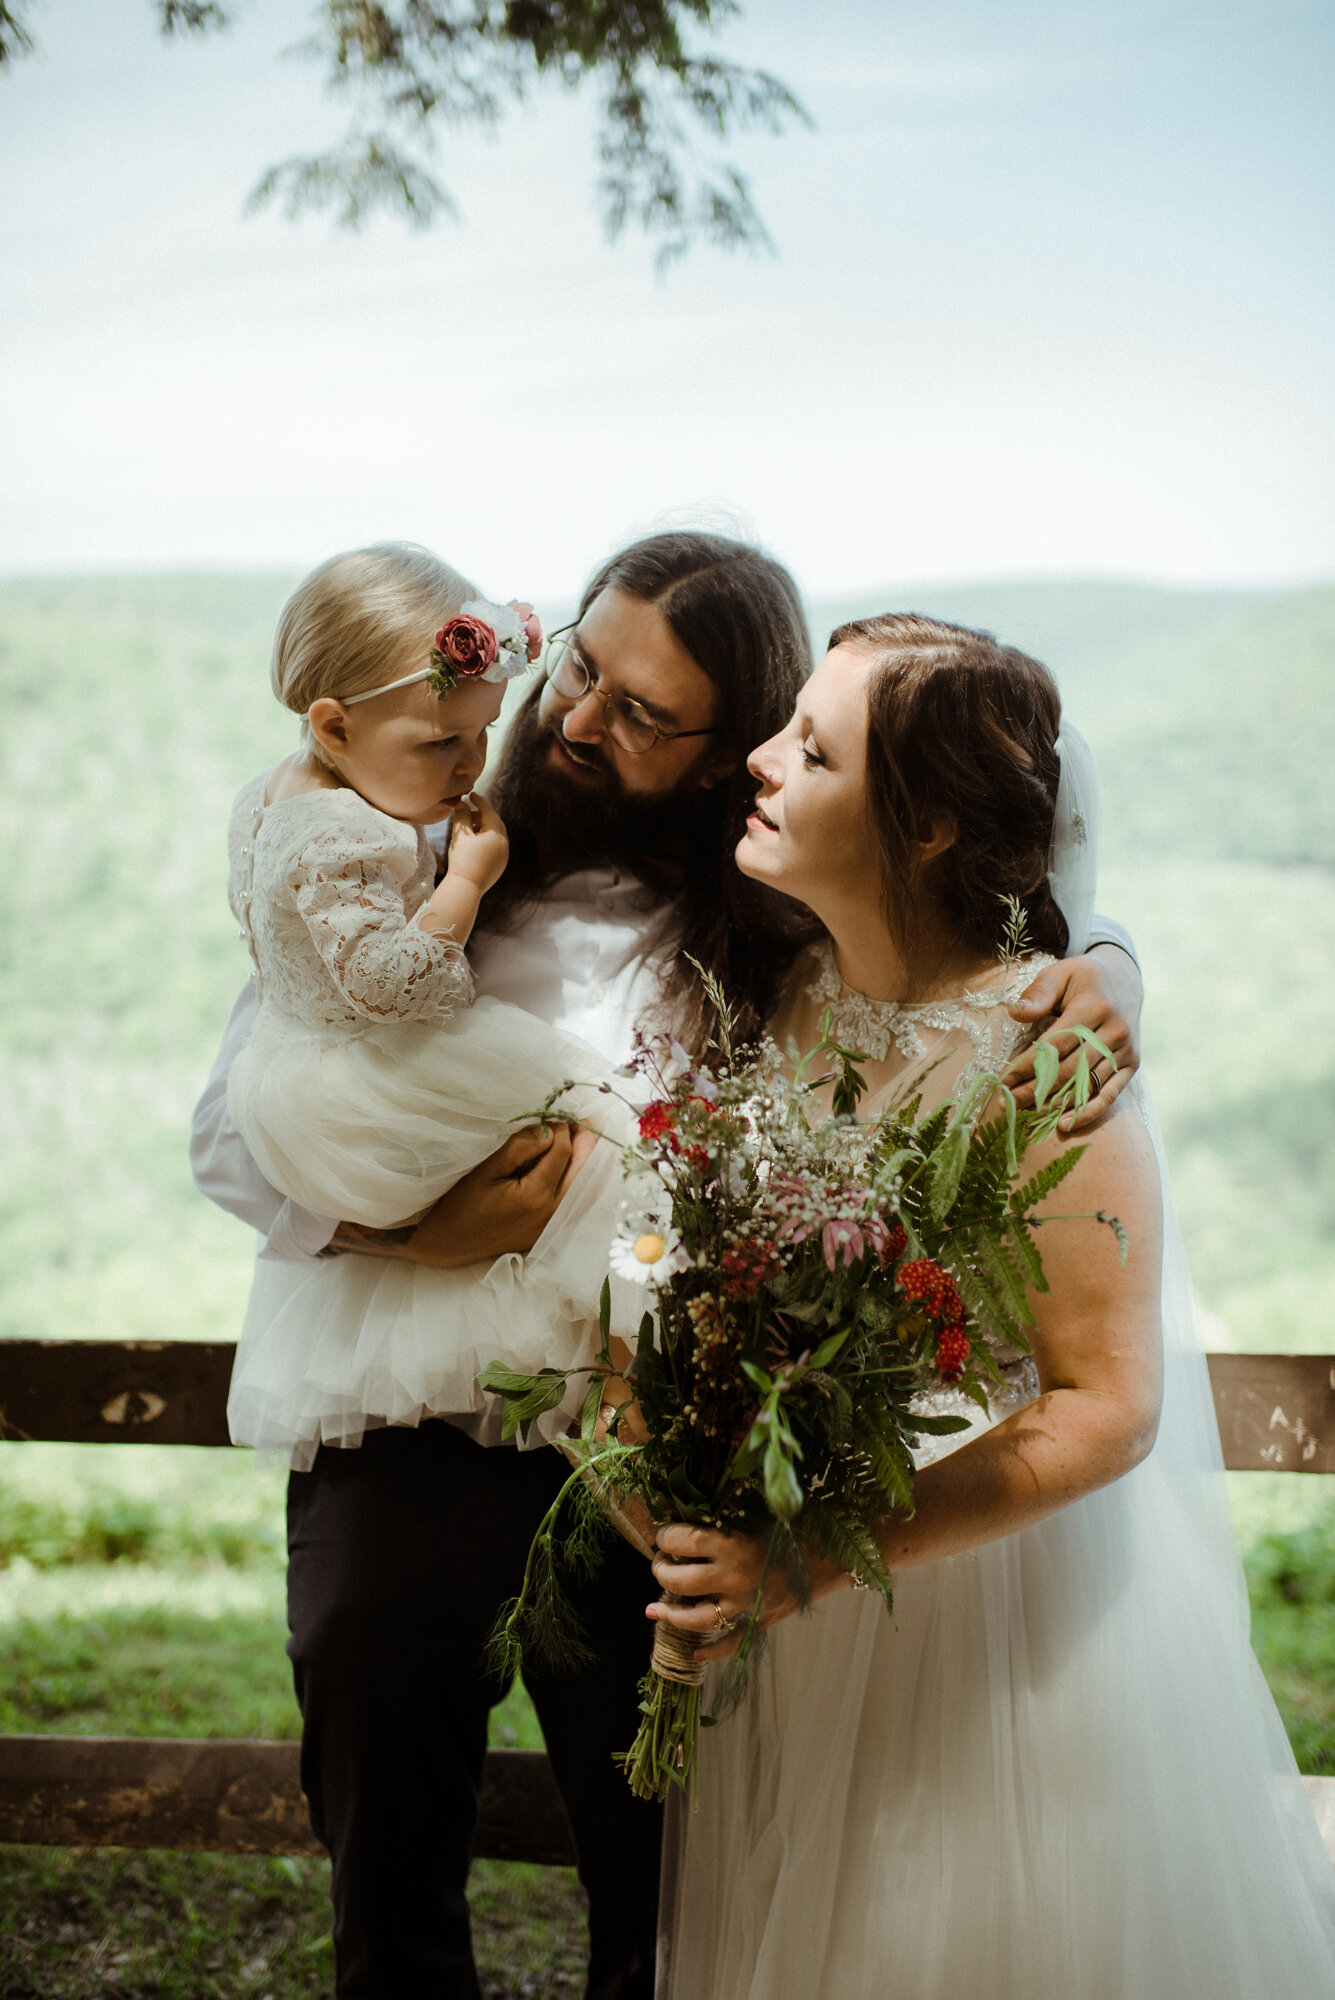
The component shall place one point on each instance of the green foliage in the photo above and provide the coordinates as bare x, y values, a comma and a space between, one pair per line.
178, 1927
416, 70
181, 1644
525, 1397
1292, 1584
15, 40
1015, 940
109, 1525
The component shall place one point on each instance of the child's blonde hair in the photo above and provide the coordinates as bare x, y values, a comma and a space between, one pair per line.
360, 620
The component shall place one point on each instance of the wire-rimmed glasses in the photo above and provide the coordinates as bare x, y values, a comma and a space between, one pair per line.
629, 723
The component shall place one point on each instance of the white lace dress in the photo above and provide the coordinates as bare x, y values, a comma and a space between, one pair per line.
371, 1082
1056, 1775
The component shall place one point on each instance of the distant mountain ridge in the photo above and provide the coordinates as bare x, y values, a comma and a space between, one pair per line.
1072, 624
1213, 712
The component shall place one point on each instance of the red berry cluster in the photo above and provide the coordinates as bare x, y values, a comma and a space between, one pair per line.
657, 1120
936, 1291
896, 1243
747, 1263
952, 1351
929, 1286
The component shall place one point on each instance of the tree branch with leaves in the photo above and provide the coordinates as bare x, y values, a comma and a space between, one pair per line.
414, 71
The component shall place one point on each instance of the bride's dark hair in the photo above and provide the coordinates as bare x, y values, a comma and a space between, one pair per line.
962, 728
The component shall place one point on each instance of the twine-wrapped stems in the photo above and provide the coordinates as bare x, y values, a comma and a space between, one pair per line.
673, 1657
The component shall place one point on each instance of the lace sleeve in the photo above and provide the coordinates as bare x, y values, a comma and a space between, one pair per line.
350, 893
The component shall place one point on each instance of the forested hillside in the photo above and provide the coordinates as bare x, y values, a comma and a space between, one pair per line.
133, 707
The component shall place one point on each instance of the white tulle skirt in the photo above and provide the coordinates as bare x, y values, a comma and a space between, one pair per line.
1056, 1775
373, 1128
373, 1125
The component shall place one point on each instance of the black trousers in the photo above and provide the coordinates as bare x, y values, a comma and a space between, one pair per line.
400, 1554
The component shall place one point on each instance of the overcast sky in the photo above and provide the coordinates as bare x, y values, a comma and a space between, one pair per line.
1054, 295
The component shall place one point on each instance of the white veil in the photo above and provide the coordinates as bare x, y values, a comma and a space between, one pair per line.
1073, 863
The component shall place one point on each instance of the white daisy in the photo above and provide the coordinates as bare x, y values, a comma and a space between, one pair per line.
652, 1252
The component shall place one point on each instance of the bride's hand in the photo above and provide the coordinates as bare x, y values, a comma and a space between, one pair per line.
721, 1573
1101, 991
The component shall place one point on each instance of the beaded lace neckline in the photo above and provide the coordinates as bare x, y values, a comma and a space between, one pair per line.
874, 1025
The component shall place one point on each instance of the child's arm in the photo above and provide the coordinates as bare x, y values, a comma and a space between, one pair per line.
349, 886
479, 849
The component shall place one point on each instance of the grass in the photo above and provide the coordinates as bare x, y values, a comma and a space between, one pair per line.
141, 1594
1291, 1578
111, 1922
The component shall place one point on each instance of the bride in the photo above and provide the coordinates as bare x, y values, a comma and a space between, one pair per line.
1057, 1774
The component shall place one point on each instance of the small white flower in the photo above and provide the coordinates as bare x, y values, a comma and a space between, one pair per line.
511, 638
648, 1254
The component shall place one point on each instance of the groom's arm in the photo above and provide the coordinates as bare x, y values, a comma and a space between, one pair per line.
1102, 990
501, 1206
226, 1173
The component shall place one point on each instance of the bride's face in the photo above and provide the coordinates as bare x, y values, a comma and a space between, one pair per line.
808, 834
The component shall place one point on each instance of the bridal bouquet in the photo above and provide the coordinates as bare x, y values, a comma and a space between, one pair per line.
811, 1278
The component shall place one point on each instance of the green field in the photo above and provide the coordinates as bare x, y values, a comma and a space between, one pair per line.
142, 1591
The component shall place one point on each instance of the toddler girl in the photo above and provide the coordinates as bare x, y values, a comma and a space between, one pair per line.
372, 1080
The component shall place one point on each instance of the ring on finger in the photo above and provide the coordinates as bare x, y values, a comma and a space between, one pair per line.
722, 1623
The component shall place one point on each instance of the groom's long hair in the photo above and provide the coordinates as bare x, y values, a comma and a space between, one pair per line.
738, 614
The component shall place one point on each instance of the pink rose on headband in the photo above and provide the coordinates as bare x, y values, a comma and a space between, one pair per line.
467, 646
532, 625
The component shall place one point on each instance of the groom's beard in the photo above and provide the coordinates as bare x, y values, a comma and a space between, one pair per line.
570, 823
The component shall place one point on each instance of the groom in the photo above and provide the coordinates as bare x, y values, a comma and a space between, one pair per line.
624, 788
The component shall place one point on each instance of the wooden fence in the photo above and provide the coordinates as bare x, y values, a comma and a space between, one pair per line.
1276, 1414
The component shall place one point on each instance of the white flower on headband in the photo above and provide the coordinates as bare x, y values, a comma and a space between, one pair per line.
485, 642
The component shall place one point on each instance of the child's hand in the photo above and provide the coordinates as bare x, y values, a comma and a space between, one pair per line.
479, 845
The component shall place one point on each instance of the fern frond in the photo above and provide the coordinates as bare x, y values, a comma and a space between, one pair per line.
1045, 1180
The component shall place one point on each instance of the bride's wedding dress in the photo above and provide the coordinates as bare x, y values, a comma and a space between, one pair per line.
1056, 1775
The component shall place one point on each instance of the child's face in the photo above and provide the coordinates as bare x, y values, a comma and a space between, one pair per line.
408, 752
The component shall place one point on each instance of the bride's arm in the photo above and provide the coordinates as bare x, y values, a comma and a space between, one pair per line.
1097, 1346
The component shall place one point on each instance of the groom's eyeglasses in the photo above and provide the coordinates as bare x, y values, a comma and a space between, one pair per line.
629, 723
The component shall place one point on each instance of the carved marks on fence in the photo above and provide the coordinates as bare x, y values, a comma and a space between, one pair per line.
115, 1391
1276, 1411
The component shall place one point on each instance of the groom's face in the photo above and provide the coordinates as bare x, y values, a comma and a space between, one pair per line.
632, 655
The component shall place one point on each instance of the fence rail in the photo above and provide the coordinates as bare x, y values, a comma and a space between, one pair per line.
1276, 1414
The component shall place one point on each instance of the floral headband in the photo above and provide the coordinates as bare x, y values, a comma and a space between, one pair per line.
483, 642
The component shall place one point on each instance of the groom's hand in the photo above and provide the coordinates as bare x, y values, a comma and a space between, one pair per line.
1101, 991
505, 1204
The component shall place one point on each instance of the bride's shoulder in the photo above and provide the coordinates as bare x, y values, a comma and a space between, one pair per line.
1002, 984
